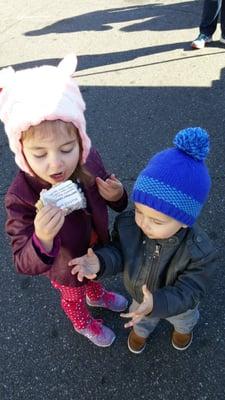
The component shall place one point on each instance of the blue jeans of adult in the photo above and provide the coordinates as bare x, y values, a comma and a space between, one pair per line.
211, 11
182, 323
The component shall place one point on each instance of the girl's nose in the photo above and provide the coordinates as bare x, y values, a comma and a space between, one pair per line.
55, 162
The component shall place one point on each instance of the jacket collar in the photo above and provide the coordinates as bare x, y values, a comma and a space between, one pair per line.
36, 183
173, 241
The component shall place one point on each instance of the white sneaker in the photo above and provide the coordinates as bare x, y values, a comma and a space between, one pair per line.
222, 40
201, 41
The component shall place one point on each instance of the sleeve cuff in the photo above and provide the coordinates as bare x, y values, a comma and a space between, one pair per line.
120, 204
38, 246
100, 273
160, 307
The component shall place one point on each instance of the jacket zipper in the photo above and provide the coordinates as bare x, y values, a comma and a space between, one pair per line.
157, 251
155, 272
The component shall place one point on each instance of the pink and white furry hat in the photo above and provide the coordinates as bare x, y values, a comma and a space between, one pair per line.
33, 95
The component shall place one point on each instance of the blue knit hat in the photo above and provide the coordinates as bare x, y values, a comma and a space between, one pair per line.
176, 181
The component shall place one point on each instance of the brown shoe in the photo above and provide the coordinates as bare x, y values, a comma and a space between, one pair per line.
181, 341
136, 344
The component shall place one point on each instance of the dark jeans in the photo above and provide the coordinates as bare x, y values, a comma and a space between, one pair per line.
211, 11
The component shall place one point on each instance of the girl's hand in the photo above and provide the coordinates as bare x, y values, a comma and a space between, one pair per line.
47, 223
111, 189
86, 266
144, 308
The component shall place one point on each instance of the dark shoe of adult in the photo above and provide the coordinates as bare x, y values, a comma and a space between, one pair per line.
181, 341
136, 344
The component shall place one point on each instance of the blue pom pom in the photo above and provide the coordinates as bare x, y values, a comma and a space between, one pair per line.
193, 141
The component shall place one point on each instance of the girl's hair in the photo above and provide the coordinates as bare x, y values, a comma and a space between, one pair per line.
81, 173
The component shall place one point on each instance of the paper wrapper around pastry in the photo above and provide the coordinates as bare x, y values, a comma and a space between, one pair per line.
65, 195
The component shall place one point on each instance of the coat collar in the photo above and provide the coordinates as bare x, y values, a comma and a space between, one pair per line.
36, 183
173, 241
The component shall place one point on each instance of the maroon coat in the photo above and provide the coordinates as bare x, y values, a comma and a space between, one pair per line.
74, 237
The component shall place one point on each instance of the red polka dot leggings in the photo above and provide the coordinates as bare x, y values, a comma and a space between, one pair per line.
73, 301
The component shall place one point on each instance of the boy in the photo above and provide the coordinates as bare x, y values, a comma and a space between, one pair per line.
167, 259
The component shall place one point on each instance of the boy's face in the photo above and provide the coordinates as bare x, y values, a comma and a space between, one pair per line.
51, 152
155, 224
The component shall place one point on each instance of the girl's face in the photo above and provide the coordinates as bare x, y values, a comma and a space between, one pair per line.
52, 151
155, 224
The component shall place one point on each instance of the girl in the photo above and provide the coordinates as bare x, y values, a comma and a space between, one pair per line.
43, 112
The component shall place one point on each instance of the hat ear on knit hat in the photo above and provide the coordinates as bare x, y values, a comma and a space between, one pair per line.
31, 96
176, 181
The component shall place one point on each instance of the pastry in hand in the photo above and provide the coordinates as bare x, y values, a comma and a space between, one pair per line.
65, 195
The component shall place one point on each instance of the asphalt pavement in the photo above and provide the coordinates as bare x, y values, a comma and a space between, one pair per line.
142, 83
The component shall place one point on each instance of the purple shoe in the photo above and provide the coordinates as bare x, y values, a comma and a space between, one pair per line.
98, 333
110, 300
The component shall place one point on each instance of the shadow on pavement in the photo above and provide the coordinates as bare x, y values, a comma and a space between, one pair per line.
138, 17
98, 60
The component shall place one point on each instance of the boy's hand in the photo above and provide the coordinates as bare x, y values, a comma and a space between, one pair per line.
144, 308
111, 189
47, 223
86, 266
